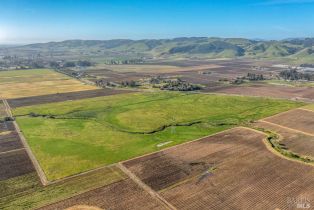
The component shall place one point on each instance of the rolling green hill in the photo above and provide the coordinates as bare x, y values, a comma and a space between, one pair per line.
299, 50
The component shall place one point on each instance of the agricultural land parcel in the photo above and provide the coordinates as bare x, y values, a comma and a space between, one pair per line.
196, 175
74, 136
25, 83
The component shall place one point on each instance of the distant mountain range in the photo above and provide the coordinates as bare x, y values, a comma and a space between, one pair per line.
296, 50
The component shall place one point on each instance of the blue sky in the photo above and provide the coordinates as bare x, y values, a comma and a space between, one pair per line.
27, 21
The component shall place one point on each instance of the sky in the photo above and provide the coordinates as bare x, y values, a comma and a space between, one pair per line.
32, 21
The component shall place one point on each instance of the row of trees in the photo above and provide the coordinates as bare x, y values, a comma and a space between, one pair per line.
180, 86
293, 74
69, 64
250, 77
255, 77
126, 61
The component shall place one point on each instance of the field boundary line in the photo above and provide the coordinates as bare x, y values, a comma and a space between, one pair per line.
256, 131
82, 173
14, 150
276, 115
287, 128
275, 152
36, 164
177, 145
304, 109
145, 187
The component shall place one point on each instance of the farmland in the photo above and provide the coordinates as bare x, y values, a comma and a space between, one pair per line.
268, 90
298, 119
59, 97
24, 83
127, 125
26, 192
292, 140
124, 194
81, 135
2, 110
197, 175
149, 68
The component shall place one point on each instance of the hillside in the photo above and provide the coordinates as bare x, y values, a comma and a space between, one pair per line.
296, 50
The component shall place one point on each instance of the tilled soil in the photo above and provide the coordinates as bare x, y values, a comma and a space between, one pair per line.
274, 91
246, 175
14, 164
9, 142
28, 101
293, 141
124, 194
298, 119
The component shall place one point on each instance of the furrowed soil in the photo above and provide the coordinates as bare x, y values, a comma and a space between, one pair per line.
28, 101
239, 173
9, 141
264, 90
124, 194
293, 141
26, 191
14, 160
15, 163
298, 119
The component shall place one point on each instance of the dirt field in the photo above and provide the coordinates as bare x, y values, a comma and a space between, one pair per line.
240, 173
6, 126
146, 68
275, 91
28, 101
124, 194
14, 163
296, 142
9, 141
298, 119
25, 83
168, 167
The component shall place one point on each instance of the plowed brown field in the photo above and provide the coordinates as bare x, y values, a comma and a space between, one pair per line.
296, 142
239, 172
14, 163
298, 119
124, 194
34, 100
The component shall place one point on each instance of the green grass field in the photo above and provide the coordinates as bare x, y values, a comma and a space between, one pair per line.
75, 136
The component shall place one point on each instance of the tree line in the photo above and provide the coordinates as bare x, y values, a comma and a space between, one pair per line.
293, 74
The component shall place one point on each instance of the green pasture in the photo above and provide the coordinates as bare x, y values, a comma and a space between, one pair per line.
74, 136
